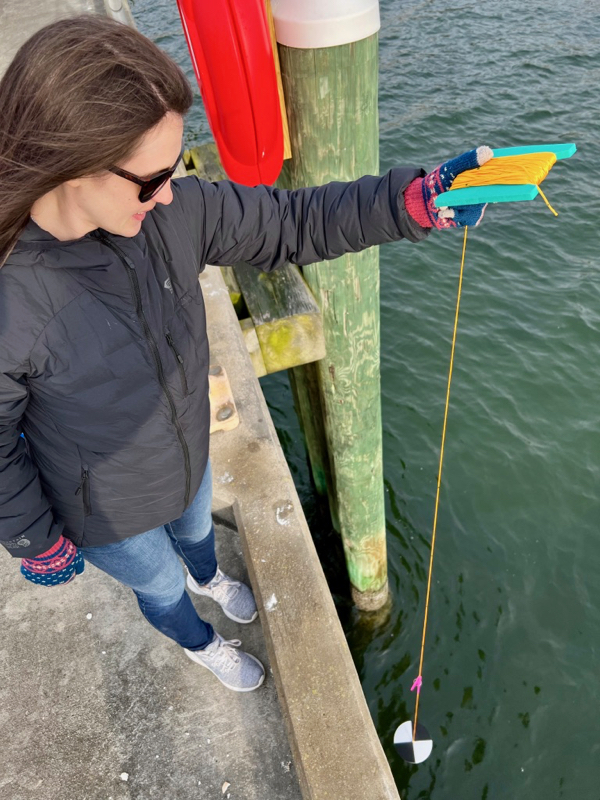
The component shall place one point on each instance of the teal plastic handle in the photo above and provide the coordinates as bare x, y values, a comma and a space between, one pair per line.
559, 150
503, 193
486, 194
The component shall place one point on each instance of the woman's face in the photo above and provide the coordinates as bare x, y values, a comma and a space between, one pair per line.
111, 202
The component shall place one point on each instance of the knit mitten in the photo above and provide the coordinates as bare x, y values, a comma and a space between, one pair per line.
420, 196
58, 565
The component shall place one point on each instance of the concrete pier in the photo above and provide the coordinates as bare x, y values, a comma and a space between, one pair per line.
20, 19
95, 704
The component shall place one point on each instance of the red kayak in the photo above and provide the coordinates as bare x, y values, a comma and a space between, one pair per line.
230, 45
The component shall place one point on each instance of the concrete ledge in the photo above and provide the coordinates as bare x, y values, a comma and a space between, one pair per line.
336, 750
95, 704
19, 20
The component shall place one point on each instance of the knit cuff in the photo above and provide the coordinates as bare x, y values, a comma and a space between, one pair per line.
415, 203
59, 556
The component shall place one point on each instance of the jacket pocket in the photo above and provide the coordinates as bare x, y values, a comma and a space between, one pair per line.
84, 490
179, 359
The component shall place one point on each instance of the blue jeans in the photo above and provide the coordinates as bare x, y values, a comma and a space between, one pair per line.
149, 564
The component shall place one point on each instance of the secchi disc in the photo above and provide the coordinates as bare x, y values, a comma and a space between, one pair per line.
413, 752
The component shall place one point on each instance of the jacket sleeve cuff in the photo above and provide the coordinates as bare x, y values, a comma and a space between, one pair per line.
26, 546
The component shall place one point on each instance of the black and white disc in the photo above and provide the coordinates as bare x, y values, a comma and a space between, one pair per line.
412, 751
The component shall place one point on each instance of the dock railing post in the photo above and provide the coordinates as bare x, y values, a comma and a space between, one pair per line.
328, 51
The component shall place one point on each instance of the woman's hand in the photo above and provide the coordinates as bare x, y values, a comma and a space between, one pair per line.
56, 566
420, 196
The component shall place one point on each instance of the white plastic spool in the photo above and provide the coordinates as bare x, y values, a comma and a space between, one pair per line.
308, 24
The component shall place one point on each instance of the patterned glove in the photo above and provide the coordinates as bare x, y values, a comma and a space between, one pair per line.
419, 197
58, 565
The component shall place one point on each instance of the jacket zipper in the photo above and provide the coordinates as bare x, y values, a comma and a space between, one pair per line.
179, 358
135, 288
84, 487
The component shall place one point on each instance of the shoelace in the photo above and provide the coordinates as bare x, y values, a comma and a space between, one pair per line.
226, 655
224, 587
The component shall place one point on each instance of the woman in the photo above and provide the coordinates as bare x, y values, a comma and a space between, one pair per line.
103, 346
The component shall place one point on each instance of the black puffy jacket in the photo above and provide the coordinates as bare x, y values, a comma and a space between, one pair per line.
104, 353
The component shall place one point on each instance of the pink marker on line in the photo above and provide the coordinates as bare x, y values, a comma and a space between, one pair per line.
417, 683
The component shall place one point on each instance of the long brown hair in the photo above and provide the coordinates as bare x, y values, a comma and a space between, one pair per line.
76, 99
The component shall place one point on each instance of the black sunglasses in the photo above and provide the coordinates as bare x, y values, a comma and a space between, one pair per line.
150, 187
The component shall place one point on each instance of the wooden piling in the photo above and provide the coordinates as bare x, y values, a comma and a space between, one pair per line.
304, 382
331, 98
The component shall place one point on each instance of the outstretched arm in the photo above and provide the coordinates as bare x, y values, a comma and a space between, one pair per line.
267, 227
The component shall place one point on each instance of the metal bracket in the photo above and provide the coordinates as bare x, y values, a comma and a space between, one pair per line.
120, 11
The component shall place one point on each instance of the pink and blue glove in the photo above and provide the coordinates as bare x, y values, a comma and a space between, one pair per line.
56, 566
420, 196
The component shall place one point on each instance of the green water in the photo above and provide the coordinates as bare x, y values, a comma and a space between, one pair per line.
510, 690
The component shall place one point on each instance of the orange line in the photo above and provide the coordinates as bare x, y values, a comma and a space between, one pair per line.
439, 480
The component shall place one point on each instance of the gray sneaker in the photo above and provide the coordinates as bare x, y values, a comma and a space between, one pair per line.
234, 597
236, 669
